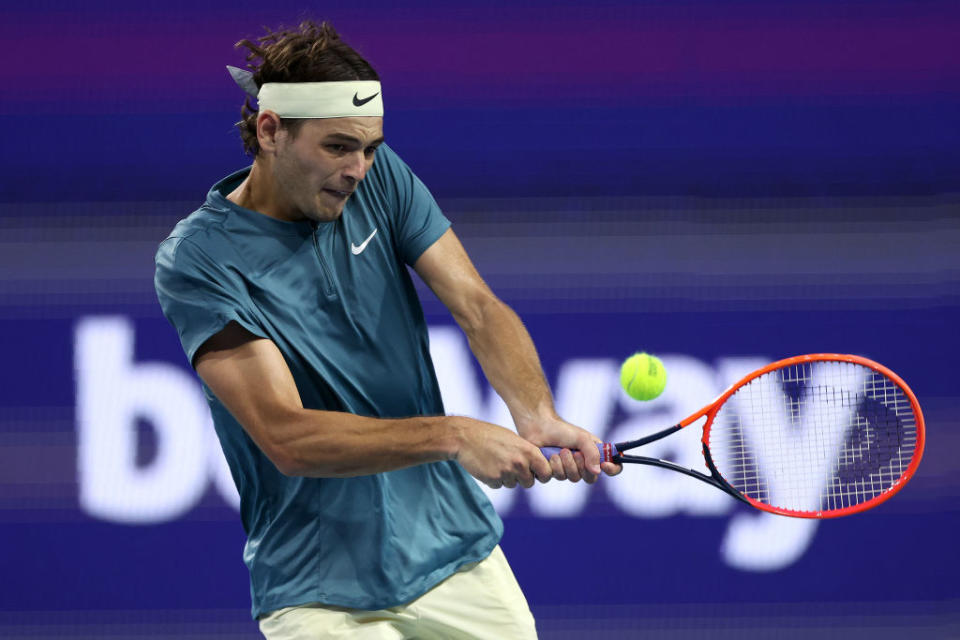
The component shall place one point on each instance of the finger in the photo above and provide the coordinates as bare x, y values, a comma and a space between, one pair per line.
611, 468
510, 482
591, 455
522, 475
526, 478
556, 467
541, 468
494, 484
585, 473
570, 466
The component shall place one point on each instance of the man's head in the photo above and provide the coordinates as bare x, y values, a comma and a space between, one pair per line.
314, 162
311, 53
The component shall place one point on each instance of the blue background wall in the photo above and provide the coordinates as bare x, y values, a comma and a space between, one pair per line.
722, 183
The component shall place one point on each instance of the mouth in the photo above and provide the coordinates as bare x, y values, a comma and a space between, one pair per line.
343, 195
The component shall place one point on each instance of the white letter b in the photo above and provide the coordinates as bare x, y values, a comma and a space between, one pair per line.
112, 392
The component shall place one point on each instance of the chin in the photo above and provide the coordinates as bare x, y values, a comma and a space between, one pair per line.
323, 215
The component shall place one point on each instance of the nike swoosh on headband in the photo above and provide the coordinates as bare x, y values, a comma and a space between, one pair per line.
359, 102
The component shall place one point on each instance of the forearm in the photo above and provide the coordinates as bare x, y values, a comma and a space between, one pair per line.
251, 378
504, 349
327, 444
510, 362
509, 359
306, 442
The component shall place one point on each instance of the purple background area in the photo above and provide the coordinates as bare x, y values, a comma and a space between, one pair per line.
707, 98
706, 178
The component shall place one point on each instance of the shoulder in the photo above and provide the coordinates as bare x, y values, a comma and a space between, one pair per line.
389, 172
206, 225
199, 224
192, 237
387, 159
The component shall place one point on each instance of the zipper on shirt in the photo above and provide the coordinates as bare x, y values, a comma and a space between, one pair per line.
325, 277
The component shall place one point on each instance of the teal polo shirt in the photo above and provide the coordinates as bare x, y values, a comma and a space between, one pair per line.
338, 301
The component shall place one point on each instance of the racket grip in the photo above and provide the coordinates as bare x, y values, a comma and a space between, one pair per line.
607, 451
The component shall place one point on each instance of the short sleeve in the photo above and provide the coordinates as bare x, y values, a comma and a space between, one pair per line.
417, 220
199, 297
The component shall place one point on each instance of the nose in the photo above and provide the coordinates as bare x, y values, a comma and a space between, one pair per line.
356, 167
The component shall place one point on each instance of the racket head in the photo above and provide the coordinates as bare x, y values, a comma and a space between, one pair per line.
815, 436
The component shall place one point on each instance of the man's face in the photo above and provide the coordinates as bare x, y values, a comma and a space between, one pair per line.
318, 169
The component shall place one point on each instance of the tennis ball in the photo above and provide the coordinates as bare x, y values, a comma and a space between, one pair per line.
643, 376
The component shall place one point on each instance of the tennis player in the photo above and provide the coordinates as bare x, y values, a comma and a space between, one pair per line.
290, 292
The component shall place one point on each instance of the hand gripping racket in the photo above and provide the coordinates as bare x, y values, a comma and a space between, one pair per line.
814, 436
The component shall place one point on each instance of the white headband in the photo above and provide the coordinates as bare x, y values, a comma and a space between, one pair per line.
314, 99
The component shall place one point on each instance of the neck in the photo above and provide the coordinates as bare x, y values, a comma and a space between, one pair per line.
258, 193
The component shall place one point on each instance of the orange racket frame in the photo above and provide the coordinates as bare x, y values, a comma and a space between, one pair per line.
614, 452
710, 411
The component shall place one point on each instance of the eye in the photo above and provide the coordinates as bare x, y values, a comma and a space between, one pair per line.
335, 148
369, 151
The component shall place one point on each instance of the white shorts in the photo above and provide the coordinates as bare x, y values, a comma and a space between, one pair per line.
481, 601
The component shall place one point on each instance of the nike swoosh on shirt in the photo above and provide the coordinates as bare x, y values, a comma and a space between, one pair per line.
359, 102
357, 250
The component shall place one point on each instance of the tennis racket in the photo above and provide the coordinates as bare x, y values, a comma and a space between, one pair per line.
813, 436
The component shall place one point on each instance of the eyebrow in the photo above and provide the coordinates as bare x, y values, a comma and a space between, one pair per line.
342, 137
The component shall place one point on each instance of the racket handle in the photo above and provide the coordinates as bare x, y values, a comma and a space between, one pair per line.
608, 451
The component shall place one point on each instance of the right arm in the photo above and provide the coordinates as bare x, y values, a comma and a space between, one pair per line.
250, 377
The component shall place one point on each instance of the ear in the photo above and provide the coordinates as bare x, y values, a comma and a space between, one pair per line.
268, 128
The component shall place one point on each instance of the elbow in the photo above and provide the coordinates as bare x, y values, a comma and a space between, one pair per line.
286, 463
291, 464
288, 456
276, 439
299, 445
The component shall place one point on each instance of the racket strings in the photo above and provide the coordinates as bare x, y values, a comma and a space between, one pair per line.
815, 436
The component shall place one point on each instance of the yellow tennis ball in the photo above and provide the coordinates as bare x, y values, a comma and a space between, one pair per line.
643, 376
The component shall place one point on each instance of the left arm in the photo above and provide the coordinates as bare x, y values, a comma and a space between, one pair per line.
508, 357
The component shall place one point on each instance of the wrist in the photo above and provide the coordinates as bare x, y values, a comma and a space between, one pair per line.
454, 436
530, 423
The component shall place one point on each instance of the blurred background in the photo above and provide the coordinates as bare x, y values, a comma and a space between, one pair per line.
720, 183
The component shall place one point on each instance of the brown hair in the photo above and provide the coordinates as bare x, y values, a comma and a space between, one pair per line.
311, 53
